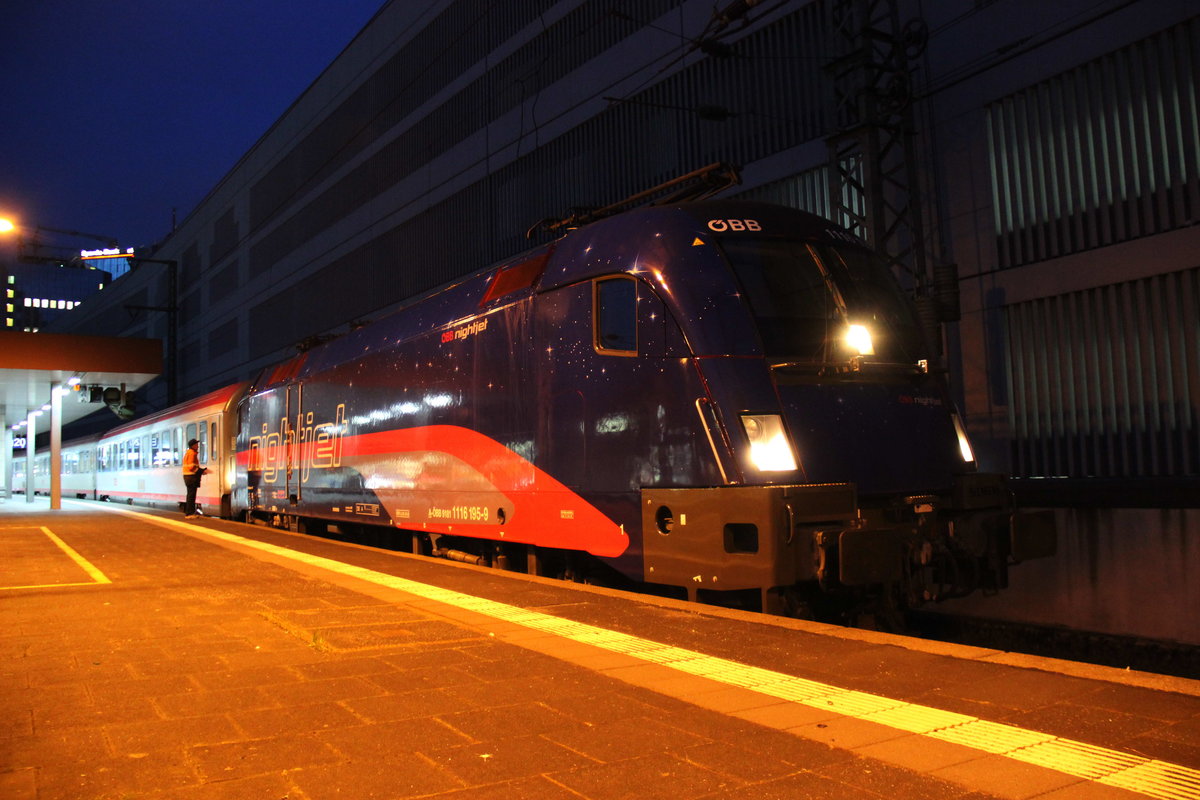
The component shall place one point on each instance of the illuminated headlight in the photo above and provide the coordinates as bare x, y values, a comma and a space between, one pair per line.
964, 444
858, 339
770, 450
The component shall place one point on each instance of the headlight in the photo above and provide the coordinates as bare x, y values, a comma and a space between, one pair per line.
858, 339
964, 444
770, 450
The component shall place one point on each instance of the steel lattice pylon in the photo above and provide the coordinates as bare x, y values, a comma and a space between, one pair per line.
873, 182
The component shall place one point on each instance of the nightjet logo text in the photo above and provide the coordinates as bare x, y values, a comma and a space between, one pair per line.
478, 326
318, 446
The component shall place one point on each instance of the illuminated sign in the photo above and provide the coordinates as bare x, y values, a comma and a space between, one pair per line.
107, 252
18, 443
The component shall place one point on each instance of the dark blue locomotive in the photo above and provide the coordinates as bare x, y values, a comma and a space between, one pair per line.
724, 397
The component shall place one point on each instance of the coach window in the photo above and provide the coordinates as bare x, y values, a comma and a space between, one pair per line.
203, 437
213, 438
616, 316
177, 451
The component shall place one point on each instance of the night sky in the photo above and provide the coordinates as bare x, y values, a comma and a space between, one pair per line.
117, 113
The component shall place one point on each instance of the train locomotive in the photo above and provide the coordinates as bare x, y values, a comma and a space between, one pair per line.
724, 400
730, 400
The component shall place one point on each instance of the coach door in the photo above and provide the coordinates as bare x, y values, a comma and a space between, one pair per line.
265, 419
295, 470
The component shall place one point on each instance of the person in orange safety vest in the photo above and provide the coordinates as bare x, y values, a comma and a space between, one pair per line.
192, 472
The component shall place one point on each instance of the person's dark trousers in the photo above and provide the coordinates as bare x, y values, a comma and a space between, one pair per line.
192, 482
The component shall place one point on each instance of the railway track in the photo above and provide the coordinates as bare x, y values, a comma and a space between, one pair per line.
1123, 652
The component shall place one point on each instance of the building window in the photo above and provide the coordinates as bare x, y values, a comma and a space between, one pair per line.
1105, 382
1101, 154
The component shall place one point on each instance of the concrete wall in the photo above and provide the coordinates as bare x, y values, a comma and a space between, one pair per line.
1129, 572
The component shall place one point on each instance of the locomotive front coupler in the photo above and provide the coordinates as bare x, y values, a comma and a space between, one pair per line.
905, 541
981, 506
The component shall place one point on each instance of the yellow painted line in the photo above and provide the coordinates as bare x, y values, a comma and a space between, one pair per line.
1146, 776
97, 577
51, 585
95, 574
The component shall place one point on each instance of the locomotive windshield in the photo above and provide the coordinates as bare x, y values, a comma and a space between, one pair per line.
824, 303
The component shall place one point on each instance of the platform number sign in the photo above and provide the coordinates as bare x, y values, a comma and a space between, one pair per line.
18, 443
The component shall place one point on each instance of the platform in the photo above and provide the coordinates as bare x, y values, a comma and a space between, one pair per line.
148, 656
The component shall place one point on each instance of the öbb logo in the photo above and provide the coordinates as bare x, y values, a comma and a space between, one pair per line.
723, 225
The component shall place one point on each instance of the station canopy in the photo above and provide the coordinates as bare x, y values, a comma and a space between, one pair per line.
31, 364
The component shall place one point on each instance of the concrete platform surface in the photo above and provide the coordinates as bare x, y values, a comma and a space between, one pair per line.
148, 656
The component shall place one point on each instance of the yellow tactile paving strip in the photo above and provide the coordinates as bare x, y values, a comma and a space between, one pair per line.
1149, 777
97, 577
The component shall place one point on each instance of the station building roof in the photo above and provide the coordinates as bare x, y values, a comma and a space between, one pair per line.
31, 363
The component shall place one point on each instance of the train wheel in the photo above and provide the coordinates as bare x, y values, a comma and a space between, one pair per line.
882, 610
312, 527
787, 601
422, 545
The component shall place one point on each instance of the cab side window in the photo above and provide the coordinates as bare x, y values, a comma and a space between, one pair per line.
615, 317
